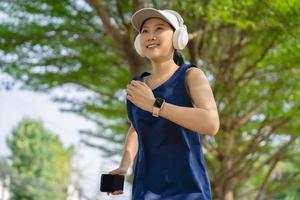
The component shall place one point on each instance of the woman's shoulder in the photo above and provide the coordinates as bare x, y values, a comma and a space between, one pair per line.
192, 69
194, 74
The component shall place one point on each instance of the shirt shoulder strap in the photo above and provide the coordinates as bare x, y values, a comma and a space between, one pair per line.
188, 67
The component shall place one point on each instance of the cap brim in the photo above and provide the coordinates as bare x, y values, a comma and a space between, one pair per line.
140, 16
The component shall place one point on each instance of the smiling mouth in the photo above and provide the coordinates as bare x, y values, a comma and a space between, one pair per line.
152, 46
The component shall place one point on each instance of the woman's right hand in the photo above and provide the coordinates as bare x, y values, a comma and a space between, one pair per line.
118, 171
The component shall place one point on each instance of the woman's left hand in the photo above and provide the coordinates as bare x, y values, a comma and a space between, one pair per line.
141, 95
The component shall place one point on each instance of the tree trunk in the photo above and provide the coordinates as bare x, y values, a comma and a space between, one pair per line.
224, 191
229, 195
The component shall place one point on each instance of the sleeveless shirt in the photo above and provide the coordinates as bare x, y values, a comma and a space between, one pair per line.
170, 164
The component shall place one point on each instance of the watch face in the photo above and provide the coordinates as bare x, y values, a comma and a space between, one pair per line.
158, 102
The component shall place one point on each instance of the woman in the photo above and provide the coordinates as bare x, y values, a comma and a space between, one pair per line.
169, 110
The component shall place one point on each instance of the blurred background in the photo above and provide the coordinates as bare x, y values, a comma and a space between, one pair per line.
64, 67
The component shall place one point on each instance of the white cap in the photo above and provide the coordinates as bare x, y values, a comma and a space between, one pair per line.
170, 16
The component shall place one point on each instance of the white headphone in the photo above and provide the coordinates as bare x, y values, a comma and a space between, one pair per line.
180, 35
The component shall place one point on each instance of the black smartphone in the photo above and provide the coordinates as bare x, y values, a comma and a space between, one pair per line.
111, 183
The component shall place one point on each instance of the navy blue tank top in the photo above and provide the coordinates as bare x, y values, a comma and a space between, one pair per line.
170, 164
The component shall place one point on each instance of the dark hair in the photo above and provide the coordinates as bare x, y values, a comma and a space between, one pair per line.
178, 58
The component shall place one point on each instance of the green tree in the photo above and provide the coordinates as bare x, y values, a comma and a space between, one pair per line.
249, 49
4, 168
4, 177
41, 166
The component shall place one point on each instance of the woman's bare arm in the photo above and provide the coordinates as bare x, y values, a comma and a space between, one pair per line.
130, 148
203, 117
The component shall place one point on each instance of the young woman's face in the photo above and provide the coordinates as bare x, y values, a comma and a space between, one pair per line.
156, 39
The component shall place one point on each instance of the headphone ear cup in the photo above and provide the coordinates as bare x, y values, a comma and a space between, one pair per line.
180, 38
137, 45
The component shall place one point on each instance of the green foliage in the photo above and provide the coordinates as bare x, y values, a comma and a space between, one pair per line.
41, 166
4, 169
51, 44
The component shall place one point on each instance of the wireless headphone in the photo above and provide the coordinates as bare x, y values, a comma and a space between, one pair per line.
180, 35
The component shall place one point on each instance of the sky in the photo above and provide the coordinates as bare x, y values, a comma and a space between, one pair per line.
16, 103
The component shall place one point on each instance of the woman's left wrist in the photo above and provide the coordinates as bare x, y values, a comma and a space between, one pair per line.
150, 108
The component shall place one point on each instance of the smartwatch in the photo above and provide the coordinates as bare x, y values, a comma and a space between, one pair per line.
156, 106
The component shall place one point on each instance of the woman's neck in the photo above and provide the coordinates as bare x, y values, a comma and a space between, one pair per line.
159, 69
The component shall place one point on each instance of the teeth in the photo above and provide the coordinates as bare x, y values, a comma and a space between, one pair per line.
152, 45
